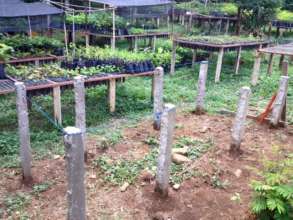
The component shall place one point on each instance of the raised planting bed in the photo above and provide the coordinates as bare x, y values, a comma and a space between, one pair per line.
29, 48
215, 43
219, 44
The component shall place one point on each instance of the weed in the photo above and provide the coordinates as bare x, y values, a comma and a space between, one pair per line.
16, 202
152, 142
42, 187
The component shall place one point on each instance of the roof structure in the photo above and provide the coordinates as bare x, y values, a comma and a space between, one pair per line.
18, 8
133, 3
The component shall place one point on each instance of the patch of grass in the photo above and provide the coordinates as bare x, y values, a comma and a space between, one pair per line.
41, 187
120, 171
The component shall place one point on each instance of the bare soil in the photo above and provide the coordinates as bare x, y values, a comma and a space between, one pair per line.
197, 198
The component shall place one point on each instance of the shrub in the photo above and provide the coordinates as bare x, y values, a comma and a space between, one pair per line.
273, 194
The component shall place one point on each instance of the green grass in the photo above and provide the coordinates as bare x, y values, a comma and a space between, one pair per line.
134, 103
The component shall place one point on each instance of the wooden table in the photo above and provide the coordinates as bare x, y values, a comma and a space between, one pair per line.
282, 50
212, 47
7, 87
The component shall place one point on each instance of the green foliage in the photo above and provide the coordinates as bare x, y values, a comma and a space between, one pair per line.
223, 39
54, 70
228, 8
16, 202
256, 14
5, 52
41, 187
119, 171
284, 15
8, 143
288, 5
25, 46
273, 194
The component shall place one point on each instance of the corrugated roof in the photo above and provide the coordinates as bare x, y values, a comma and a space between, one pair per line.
17, 8
129, 3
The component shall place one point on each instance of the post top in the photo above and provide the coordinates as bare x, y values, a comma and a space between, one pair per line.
245, 88
169, 106
79, 77
19, 84
285, 77
204, 62
72, 130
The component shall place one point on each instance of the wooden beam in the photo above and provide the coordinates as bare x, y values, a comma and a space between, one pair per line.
219, 65
57, 104
112, 94
270, 67
87, 40
238, 60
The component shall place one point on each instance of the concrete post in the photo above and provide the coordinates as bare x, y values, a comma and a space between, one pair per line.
74, 154
280, 101
158, 97
80, 113
201, 87
239, 122
164, 159
24, 136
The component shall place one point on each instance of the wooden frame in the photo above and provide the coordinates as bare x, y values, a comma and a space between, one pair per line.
212, 47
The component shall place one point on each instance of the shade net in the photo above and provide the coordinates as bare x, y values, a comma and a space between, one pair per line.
17, 16
128, 20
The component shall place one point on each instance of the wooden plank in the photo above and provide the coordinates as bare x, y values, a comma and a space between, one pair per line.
193, 59
219, 65
112, 94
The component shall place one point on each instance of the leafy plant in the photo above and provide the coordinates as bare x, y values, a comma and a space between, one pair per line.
273, 194
5, 52
16, 202
284, 15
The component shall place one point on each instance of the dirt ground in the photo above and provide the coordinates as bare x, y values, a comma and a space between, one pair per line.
196, 199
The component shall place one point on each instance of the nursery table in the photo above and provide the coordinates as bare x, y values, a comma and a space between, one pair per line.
282, 50
48, 85
215, 47
35, 60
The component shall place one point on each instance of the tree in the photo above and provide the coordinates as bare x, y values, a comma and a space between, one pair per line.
254, 14
288, 5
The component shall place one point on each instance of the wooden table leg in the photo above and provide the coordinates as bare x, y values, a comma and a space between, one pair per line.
112, 94
219, 65
270, 67
57, 104
238, 60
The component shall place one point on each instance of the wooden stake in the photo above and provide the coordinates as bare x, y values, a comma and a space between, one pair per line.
113, 39
112, 94
282, 57
219, 65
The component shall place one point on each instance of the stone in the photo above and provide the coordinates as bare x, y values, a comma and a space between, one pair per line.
124, 187
180, 159
147, 176
182, 151
176, 186
204, 129
238, 173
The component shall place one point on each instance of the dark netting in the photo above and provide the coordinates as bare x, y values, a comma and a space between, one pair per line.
17, 16
132, 3
129, 20
144, 11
